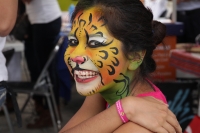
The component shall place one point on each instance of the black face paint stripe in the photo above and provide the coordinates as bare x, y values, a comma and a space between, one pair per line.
101, 64
125, 89
90, 19
94, 27
87, 36
69, 62
102, 19
116, 63
105, 56
110, 42
75, 33
112, 72
84, 59
120, 81
84, 22
116, 50
101, 79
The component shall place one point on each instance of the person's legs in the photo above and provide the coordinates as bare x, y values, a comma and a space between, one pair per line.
30, 55
44, 40
32, 63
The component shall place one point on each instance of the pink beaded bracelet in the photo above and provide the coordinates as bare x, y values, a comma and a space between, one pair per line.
121, 111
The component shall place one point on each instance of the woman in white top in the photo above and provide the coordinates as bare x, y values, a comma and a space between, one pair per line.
45, 19
8, 18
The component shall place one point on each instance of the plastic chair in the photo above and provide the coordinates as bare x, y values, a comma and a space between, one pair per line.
42, 86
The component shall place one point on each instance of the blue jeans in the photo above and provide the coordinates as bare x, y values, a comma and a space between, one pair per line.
2, 95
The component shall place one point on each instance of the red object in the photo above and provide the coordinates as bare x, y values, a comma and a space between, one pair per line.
194, 126
185, 61
164, 71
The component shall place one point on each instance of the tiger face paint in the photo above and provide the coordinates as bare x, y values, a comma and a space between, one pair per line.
94, 57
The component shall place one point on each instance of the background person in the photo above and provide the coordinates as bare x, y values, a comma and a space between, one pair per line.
45, 19
8, 16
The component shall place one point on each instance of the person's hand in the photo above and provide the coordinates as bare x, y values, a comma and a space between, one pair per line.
151, 113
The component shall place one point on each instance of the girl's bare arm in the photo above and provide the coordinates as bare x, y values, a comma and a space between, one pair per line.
147, 112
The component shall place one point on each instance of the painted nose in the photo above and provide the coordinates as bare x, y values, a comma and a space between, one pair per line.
78, 59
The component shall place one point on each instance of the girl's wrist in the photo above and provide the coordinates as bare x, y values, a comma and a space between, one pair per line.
126, 104
121, 112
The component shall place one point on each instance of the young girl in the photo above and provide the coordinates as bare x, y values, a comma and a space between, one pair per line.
110, 57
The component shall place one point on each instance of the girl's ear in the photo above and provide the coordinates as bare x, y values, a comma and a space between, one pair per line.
136, 60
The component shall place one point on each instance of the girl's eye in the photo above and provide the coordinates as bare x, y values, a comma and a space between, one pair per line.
73, 42
94, 44
96, 41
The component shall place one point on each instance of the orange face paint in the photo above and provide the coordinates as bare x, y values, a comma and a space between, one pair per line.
94, 57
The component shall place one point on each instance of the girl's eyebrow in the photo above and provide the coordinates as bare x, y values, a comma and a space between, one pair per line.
98, 34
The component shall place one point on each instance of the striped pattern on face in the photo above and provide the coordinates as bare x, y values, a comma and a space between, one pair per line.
90, 38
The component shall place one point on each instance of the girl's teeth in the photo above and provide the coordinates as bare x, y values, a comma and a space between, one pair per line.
85, 73
91, 73
84, 76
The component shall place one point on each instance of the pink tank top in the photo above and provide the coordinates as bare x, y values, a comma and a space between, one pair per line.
156, 93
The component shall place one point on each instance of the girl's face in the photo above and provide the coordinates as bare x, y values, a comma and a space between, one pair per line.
94, 57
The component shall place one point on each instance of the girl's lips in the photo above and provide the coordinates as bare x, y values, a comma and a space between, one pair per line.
85, 80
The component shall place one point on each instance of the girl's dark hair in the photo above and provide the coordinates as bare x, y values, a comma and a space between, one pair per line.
131, 23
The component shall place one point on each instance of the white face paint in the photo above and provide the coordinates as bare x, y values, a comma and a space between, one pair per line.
94, 57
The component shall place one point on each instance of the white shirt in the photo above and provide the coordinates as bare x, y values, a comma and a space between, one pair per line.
43, 11
3, 69
186, 6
